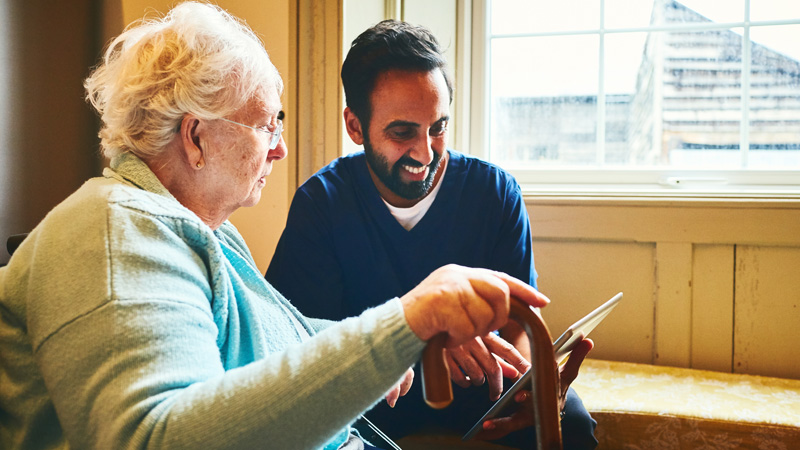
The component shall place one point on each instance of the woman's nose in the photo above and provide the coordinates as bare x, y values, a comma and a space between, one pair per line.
280, 151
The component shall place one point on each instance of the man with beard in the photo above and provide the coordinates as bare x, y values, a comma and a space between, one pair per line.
373, 224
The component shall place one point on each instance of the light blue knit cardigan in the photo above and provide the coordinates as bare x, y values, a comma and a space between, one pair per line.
126, 322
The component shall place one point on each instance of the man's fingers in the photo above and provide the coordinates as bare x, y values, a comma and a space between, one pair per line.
465, 359
569, 371
498, 428
479, 364
456, 374
507, 369
521, 418
488, 365
505, 350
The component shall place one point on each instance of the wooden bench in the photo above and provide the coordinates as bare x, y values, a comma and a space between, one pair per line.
641, 406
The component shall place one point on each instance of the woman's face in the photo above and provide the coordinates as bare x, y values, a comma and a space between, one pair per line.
241, 159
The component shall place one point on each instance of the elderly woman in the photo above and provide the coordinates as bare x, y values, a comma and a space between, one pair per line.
133, 316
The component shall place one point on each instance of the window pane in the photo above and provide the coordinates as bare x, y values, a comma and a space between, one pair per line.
774, 10
544, 100
639, 13
665, 99
545, 66
627, 13
683, 109
712, 10
623, 60
525, 16
701, 100
774, 99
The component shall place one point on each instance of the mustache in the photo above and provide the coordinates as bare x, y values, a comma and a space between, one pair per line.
408, 161
411, 162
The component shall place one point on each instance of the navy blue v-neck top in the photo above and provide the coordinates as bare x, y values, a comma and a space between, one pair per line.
342, 251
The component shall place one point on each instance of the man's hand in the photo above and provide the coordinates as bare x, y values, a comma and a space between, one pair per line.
523, 416
487, 358
401, 388
464, 302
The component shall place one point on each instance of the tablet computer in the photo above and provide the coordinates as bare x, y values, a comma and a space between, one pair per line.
561, 347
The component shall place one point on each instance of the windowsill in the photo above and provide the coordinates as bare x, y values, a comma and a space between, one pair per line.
651, 215
752, 196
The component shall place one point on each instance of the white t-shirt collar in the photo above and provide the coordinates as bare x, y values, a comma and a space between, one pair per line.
409, 217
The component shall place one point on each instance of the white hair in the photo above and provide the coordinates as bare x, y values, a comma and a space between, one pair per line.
198, 59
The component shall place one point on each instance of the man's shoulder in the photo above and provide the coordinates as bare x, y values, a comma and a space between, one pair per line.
337, 175
342, 166
343, 169
475, 169
343, 181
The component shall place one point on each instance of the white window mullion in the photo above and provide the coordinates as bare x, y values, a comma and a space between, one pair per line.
601, 90
744, 132
462, 69
480, 108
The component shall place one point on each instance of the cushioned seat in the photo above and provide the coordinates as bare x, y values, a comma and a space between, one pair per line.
641, 406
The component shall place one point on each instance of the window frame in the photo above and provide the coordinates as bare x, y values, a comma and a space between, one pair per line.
602, 181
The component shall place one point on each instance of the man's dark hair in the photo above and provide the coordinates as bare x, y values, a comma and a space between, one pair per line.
389, 45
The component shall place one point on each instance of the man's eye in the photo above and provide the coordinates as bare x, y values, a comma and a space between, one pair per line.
439, 129
401, 133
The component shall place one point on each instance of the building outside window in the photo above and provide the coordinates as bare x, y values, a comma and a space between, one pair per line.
696, 92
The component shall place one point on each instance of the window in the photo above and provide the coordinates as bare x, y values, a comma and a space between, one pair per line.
641, 94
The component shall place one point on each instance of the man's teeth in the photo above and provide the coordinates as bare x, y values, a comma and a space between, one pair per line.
411, 169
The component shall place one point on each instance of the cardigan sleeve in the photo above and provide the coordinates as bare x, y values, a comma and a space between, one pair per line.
141, 367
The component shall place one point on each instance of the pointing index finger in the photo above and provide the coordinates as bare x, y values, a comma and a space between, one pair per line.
523, 291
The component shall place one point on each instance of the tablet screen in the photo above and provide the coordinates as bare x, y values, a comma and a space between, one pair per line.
561, 347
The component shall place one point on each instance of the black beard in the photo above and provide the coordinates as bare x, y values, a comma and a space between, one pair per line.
390, 176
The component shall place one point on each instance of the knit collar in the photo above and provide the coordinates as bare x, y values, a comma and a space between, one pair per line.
131, 168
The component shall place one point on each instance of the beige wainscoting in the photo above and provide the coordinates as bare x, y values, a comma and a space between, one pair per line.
709, 284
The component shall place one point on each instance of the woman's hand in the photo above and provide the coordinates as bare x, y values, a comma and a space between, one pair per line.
401, 388
464, 302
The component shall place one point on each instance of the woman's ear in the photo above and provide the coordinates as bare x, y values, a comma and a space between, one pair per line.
191, 128
353, 126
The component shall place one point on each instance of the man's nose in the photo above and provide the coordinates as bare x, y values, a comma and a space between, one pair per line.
422, 152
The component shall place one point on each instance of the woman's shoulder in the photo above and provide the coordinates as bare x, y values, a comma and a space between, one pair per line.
106, 207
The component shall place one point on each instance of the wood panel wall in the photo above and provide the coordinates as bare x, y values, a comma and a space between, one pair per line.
708, 284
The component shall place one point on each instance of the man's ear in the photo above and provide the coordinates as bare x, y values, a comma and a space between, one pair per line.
192, 144
353, 126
